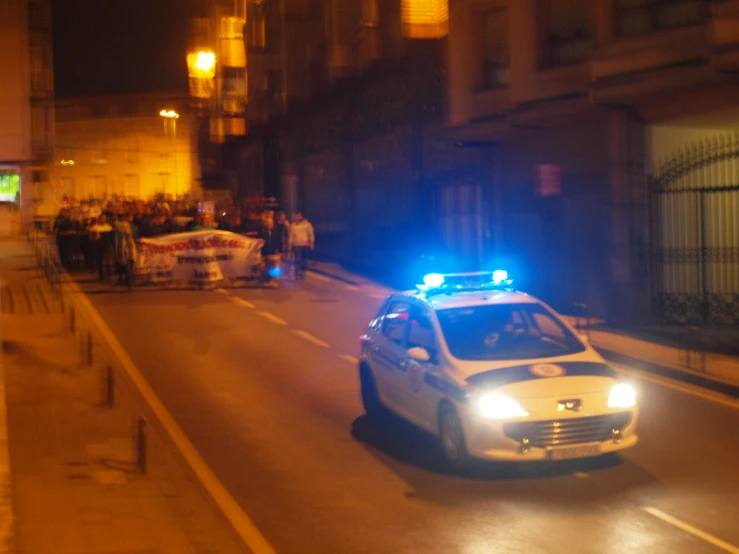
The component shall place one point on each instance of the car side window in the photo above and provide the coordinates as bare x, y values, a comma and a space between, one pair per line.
395, 321
376, 324
550, 328
421, 333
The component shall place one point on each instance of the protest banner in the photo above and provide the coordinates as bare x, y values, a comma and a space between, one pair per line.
201, 256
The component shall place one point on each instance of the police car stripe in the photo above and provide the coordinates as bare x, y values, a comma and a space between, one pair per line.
517, 374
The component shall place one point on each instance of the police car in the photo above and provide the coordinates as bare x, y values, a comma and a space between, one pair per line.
494, 373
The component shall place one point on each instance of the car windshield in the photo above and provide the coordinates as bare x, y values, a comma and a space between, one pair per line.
505, 332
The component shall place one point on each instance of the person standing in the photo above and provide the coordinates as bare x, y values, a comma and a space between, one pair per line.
302, 240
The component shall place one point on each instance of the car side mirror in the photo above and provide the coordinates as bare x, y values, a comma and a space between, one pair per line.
419, 354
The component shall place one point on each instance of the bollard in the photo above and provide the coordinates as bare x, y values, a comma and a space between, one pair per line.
89, 348
109, 387
140, 443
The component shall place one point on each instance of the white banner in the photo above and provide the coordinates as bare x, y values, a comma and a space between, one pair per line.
201, 256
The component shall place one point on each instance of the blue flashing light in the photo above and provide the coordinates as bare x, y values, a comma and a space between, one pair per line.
433, 280
500, 275
275, 272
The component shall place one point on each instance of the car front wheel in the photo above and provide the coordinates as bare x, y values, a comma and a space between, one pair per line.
453, 442
370, 397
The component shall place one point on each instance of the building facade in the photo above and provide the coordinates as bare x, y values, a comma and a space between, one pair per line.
128, 145
587, 147
26, 108
633, 104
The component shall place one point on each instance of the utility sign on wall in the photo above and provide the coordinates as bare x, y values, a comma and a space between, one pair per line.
548, 180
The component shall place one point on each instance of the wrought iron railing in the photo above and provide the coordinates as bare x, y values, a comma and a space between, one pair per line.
696, 233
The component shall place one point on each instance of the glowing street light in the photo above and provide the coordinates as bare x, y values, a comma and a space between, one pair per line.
169, 113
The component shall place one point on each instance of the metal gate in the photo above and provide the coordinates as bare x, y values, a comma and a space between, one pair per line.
696, 233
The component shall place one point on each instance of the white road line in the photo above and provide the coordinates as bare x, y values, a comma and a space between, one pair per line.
220, 291
241, 302
311, 338
718, 543
247, 531
348, 358
715, 397
273, 318
319, 276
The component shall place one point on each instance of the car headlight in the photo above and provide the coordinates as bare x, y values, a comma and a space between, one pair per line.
497, 406
622, 396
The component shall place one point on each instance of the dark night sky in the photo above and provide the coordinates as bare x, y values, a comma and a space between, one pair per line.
119, 46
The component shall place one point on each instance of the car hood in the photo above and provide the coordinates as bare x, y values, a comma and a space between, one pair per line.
536, 378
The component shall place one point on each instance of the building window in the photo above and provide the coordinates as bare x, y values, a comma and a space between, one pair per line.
38, 18
131, 186
40, 133
256, 28
99, 153
565, 32
101, 186
495, 49
133, 150
639, 17
38, 71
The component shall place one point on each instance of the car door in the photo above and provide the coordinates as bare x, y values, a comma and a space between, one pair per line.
388, 355
422, 399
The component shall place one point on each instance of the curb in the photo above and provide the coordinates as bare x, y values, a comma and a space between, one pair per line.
670, 372
247, 531
7, 540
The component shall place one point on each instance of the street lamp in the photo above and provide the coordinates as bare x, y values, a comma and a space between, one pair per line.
172, 116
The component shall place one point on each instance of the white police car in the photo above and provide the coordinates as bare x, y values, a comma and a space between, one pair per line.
495, 374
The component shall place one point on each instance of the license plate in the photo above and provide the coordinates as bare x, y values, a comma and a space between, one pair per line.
570, 452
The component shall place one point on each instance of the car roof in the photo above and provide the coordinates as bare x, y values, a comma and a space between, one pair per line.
467, 299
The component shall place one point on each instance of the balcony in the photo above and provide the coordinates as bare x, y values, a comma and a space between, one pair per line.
724, 35
42, 84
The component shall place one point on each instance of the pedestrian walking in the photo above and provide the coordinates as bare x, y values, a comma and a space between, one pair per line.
302, 241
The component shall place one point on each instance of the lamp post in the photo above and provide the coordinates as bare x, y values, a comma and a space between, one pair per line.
173, 116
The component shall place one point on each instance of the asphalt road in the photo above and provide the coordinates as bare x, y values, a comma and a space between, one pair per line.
264, 384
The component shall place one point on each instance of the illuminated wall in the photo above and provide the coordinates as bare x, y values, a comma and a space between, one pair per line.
137, 156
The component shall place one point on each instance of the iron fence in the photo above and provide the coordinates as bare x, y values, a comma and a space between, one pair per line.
696, 233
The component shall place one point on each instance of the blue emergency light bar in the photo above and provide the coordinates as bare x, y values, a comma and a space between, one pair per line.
451, 282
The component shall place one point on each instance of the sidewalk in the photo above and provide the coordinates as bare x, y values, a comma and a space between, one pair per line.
712, 370
75, 486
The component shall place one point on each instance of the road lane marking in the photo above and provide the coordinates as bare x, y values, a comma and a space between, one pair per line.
582, 475
348, 358
319, 276
311, 338
667, 518
247, 531
715, 397
273, 318
241, 302
220, 291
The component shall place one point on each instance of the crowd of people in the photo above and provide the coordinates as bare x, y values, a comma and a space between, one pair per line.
101, 234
